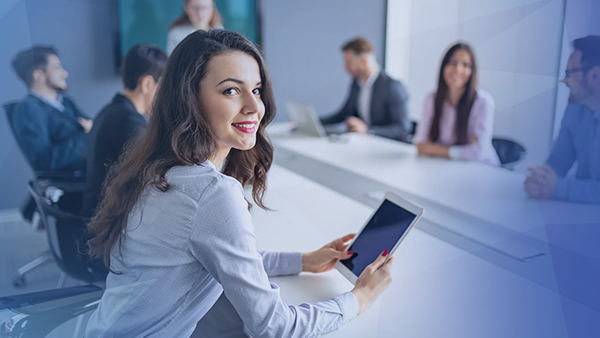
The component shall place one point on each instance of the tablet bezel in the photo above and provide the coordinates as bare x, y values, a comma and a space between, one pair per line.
402, 203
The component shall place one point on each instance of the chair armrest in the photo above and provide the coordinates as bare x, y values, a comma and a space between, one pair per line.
47, 310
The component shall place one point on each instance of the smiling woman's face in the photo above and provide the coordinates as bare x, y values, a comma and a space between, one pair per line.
458, 70
230, 95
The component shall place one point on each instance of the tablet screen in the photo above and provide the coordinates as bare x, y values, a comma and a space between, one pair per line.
382, 232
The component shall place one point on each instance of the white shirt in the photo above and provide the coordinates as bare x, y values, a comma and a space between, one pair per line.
184, 247
364, 96
176, 35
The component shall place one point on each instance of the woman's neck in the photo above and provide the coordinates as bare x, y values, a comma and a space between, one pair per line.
454, 95
201, 27
219, 156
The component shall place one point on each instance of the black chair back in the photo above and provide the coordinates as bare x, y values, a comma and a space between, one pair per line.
509, 152
9, 108
67, 232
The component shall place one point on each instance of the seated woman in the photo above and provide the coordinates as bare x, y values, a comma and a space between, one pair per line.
176, 232
458, 118
197, 15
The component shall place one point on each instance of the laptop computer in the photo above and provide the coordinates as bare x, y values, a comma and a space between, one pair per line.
306, 119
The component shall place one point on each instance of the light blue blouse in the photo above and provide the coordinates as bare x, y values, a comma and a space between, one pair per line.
183, 247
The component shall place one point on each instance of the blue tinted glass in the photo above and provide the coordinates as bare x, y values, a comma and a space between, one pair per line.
148, 21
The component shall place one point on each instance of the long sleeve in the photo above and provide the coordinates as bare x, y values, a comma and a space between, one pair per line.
481, 125
399, 126
282, 263
563, 153
577, 190
227, 249
347, 109
32, 130
424, 125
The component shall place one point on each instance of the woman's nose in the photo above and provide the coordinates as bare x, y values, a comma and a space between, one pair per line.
252, 105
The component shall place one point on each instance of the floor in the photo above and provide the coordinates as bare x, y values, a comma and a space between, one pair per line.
20, 244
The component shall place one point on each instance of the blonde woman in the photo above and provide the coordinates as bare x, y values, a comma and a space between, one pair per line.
197, 15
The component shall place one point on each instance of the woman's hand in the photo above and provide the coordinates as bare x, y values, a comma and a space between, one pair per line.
373, 281
325, 258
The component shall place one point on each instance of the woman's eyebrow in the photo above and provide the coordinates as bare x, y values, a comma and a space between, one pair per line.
230, 79
236, 81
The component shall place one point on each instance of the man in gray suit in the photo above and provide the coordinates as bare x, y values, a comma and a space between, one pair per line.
377, 103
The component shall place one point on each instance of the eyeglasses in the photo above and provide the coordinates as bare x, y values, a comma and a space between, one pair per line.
569, 72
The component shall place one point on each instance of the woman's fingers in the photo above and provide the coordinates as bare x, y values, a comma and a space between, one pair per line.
378, 262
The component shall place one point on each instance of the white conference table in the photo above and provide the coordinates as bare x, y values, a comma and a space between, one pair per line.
439, 290
489, 193
483, 202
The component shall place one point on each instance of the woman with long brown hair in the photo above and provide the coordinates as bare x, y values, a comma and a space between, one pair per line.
197, 15
458, 118
176, 233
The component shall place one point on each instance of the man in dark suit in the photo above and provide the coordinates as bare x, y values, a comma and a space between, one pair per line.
124, 118
49, 128
377, 103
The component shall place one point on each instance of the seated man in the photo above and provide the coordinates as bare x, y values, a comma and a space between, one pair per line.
123, 118
49, 128
579, 136
377, 103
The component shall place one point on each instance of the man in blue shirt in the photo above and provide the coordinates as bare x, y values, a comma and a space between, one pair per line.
579, 137
49, 128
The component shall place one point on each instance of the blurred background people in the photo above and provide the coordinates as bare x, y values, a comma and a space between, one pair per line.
458, 118
197, 15
376, 103
124, 117
49, 128
579, 136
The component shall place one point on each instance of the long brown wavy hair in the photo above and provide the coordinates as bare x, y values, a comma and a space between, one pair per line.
183, 20
179, 134
463, 110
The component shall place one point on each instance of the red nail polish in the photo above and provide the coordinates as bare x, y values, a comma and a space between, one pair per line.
385, 252
350, 252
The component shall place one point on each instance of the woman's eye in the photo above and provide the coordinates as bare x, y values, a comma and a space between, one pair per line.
230, 91
256, 91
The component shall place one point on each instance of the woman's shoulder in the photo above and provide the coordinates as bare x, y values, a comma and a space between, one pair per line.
484, 98
202, 181
430, 98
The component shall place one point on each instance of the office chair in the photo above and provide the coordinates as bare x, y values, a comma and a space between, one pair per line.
67, 231
28, 207
509, 152
38, 314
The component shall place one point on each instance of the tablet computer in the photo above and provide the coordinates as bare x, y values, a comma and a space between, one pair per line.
385, 230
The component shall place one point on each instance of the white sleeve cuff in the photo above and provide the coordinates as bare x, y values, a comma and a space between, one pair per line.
454, 153
348, 304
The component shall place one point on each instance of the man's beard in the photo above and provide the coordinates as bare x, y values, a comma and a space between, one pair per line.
55, 87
